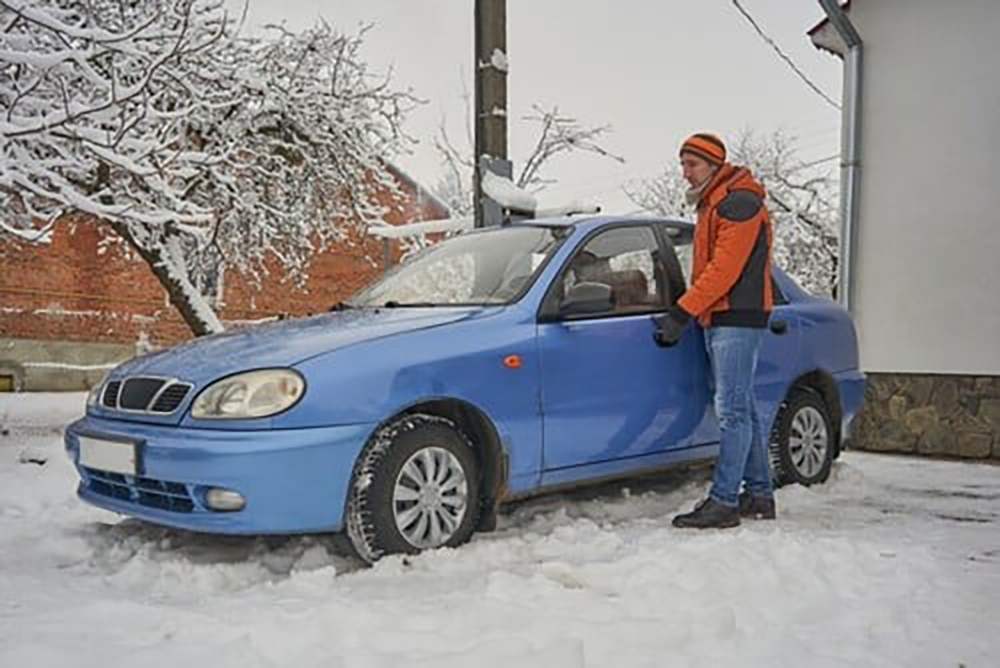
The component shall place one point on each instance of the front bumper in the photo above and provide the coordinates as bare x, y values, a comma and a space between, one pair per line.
293, 480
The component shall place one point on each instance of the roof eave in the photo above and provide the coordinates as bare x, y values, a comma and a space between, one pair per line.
825, 37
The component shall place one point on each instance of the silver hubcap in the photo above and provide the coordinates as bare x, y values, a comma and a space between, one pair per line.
430, 498
808, 442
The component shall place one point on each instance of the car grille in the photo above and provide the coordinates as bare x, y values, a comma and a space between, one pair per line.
172, 496
170, 398
137, 393
145, 395
110, 398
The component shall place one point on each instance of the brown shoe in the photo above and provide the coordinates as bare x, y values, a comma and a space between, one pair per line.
709, 514
757, 507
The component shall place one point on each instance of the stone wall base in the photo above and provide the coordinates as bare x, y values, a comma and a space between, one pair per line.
937, 415
30, 365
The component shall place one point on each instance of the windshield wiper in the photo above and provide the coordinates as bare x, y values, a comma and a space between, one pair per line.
342, 306
392, 303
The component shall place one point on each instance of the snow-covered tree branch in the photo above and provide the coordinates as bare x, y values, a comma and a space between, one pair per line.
199, 147
557, 134
802, 199
455, 186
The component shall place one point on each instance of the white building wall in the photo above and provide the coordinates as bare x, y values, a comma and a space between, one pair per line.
928, 242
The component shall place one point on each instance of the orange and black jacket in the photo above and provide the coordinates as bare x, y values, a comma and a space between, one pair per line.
730, 275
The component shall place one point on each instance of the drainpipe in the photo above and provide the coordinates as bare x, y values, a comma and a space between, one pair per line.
850, 165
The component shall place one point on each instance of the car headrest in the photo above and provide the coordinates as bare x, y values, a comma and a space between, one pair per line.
630, 286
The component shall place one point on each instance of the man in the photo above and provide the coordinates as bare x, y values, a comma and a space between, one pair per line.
731, 298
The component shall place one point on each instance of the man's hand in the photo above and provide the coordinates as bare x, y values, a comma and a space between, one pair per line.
670, 326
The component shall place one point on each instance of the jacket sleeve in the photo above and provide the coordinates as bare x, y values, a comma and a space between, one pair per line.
741, 215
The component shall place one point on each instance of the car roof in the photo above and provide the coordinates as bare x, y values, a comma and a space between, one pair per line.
681, 231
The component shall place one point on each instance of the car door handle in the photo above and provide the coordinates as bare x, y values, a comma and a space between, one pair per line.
779, 327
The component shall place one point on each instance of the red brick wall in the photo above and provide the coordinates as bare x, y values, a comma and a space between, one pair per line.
85, 286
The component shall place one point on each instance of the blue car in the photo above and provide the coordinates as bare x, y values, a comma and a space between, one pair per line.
497, 364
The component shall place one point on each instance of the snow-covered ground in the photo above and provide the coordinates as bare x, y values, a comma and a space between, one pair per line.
894, 562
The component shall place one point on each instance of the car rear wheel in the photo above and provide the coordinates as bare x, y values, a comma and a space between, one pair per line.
803, 444
416, 487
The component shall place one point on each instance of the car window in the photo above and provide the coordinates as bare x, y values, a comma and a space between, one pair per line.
685, 255
776, 292
626, 259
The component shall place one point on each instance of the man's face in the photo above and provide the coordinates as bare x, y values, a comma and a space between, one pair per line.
696, 170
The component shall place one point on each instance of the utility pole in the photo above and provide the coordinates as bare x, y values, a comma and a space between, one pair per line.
491, 104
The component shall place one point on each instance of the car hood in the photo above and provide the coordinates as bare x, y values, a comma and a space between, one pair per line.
288, 342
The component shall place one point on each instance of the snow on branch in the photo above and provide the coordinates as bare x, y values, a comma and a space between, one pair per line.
202, 148
559, 134
444, 225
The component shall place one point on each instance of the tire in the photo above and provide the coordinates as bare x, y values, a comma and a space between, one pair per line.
415, 488
803, 446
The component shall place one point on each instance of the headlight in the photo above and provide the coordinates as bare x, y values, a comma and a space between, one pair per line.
249, 395
95, 391
92, 396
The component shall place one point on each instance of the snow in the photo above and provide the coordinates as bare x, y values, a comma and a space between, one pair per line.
461, 224
572, 209
32, 235
72, 367
503, 191
894, 562
172, 262
499, 61
425, 227
56, 310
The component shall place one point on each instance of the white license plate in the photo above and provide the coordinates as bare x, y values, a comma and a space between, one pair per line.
112, 456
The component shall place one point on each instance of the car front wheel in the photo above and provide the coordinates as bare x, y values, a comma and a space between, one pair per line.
416, 487
803, 444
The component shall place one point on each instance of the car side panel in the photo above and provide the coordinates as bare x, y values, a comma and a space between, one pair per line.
830, 344
609, 392
465, 362
851, 387
777, 363
829, 339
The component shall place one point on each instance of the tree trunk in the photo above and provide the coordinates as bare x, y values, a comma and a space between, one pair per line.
155, 251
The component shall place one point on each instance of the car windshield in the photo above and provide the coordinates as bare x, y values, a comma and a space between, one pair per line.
494, 266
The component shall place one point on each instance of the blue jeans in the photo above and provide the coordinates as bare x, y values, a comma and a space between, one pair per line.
732, 352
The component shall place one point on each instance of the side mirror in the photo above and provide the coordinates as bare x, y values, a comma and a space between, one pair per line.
587, 299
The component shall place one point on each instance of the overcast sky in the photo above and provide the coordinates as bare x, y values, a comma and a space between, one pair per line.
654, 71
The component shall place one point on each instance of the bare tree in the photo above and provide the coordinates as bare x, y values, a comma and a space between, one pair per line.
198, 146
455, 186
557, 134
802, 199
662, 194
